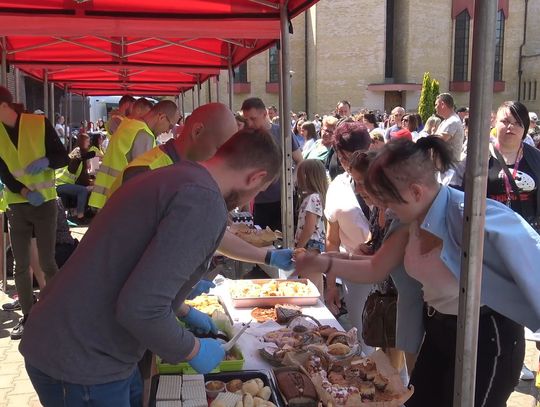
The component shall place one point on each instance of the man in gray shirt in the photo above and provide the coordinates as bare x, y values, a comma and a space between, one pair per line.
121, 291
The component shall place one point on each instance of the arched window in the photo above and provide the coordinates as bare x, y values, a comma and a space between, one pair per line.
461, 46
499, 46
240, 73
273, 65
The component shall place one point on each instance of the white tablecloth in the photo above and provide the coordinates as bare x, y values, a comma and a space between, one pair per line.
250, 342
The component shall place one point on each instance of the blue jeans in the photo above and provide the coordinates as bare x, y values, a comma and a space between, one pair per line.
75, 191
57, 393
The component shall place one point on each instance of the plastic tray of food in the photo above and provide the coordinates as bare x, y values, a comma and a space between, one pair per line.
227, 365
267, 378
209, 303
269, 292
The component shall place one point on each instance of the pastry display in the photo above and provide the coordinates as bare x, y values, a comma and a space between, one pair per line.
256, 237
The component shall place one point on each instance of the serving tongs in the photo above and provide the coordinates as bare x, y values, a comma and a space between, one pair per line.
228, 346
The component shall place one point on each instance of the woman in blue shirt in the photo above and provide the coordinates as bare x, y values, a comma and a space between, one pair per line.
423, 255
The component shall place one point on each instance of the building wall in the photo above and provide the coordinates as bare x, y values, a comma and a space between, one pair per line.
531, 58
344, 44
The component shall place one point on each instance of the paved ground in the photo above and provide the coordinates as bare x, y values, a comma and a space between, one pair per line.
17, 391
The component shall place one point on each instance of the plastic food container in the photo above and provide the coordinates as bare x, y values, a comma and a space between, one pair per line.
184, 367
266, 376
267, 301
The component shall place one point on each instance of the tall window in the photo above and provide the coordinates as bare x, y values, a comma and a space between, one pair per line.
499, 46
273, 65
240, 73
461, 46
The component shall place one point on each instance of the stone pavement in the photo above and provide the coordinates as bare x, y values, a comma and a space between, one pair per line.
17, 391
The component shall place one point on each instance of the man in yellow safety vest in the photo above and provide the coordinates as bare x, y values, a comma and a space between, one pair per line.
66, 177
205, 130
30, 151
132, 138
124, 110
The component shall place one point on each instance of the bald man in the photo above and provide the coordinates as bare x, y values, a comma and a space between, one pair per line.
208, 127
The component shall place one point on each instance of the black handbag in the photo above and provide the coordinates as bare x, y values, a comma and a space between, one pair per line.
379, 320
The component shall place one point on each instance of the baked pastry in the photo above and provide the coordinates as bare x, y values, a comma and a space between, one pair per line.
263, 314
367, 390
380, 382
234, 385
297, 389
338, 349
337, 337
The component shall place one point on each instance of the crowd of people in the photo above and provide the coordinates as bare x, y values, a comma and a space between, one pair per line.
379, 210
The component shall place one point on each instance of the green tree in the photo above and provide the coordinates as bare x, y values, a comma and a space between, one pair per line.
435, 91
425, 105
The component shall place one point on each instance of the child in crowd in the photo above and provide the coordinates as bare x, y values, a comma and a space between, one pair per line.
312, 186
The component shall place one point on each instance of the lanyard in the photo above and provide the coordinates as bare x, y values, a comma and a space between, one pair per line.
507, 185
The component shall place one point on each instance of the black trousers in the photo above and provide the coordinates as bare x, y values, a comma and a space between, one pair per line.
501, 348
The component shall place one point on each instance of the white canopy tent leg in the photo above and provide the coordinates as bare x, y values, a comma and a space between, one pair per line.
287, 219
481, 99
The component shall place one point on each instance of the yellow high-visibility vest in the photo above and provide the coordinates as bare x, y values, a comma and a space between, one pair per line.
154, 158
114, 161
31, 146
3, 203
63, 176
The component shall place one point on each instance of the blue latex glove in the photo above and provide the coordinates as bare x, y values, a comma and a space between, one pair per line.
37, 166
280, 258
199, 321
35, 198
202, 286
209, 356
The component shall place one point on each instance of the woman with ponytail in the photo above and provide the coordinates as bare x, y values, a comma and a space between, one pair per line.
423, 255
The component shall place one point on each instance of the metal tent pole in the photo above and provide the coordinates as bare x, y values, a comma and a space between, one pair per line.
481, 98
182, 104
3, 74
18, 96
231, 77
83, 103
285, 105
46, 93
217, 88
192, 99
66, 127
209, 86
3, 251
198, 90
51, 105
70, 111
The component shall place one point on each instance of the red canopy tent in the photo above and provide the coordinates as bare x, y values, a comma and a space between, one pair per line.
200, 37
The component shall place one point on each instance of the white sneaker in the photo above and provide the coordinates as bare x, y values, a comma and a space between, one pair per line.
526, 374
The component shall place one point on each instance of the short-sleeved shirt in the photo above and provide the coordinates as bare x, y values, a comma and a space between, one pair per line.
311, 203
273, 192
342, 207
454, 128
